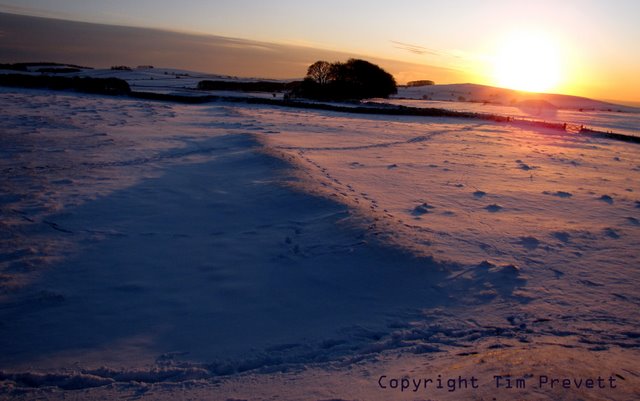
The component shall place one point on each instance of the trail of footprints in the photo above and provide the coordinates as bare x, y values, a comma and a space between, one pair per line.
363, 199
350, 193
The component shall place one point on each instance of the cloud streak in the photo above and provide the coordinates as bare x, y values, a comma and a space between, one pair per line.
415, 49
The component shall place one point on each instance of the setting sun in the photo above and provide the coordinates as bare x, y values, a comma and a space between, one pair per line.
528, 61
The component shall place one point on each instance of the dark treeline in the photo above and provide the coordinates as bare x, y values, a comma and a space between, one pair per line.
58, 70
107, 86
423, 82
14, 67
258, 86
25, 66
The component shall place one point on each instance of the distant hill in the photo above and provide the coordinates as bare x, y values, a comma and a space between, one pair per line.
508, 97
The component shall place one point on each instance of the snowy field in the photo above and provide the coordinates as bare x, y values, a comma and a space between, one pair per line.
152, 250
625, 122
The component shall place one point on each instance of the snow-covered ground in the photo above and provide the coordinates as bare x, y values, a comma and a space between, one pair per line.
225, 251
578, 111
594, 114
501, 96
621, 122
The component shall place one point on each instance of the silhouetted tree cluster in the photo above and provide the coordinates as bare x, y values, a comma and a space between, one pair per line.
423, 82
257, 86
107, 86
58, 70
27, 66
14, 67
355, 79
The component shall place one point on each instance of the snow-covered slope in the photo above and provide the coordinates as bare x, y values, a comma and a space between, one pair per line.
501, 96
225, 251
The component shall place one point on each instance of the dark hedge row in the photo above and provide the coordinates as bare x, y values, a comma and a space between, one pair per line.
107, 86
258, 86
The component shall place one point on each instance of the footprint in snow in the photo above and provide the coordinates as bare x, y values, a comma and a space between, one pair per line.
422, 209
523, 165
611, 233
479, 194
590, 283
559, 194
502, 280
529, 243
607, 199
62, 182
562, 236
633, 221
494, 208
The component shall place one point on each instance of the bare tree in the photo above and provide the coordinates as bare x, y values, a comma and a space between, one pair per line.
319, 72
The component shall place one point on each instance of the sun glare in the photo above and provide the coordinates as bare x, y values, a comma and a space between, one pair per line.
529, 62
